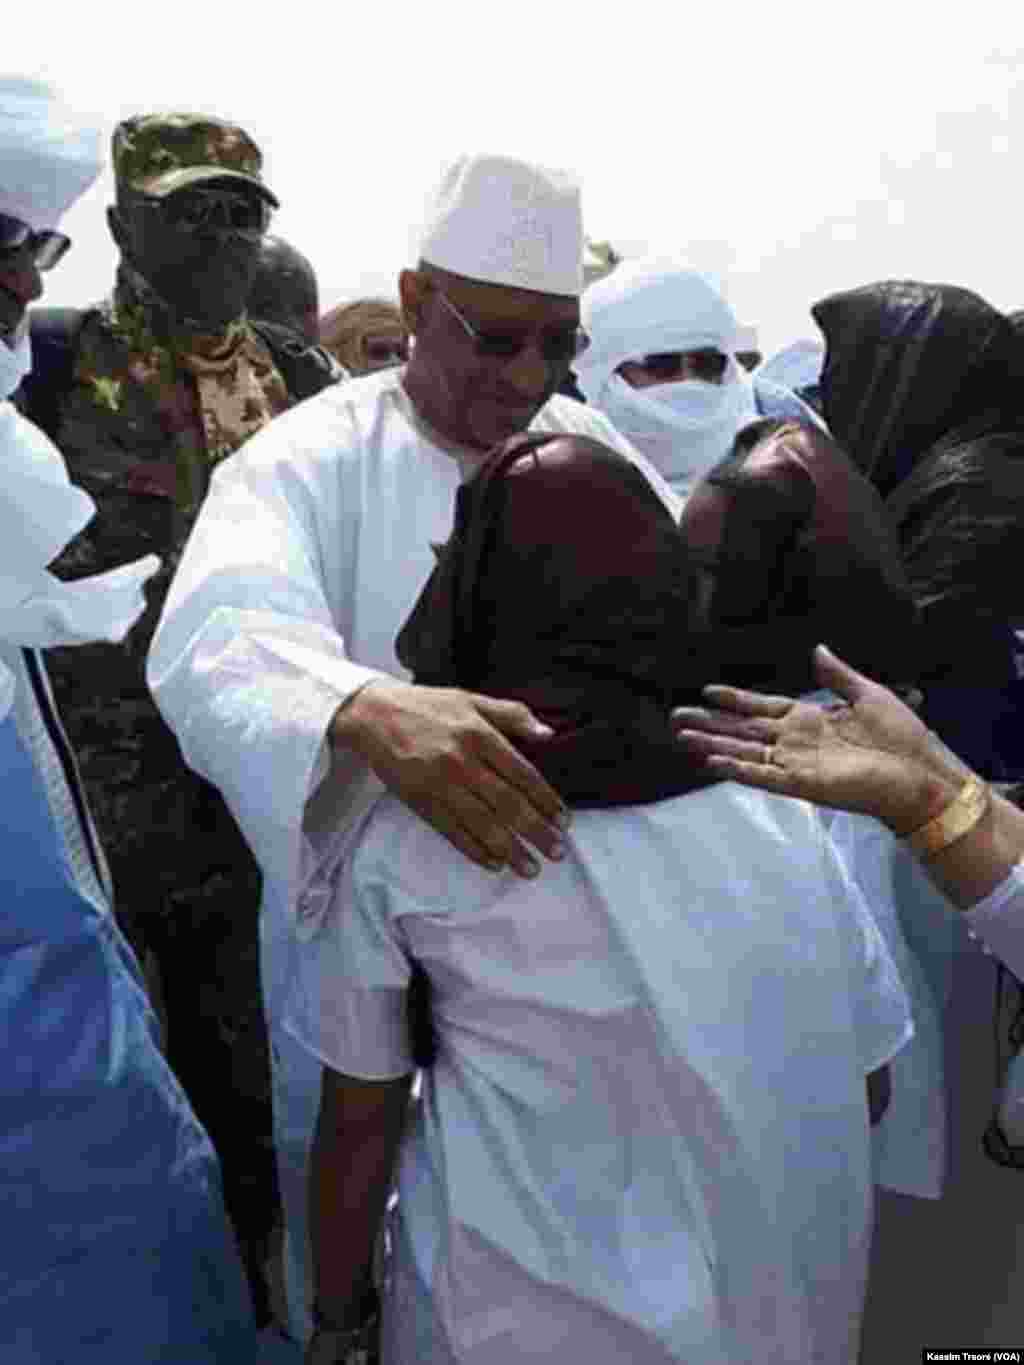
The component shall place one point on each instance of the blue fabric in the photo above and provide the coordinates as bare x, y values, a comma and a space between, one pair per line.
115, 1245
774, 400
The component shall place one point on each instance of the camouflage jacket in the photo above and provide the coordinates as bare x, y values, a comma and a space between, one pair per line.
128, 423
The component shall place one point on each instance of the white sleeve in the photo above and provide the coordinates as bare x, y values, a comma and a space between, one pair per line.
998, 920
882, 1018
346, 1002
247, 665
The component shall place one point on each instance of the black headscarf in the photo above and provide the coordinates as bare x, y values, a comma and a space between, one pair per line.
907, 364
924, 386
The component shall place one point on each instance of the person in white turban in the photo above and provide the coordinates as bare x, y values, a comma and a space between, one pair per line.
662, 367
274, 661
116, 1244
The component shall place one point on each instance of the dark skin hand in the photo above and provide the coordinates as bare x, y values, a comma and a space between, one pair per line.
443, 753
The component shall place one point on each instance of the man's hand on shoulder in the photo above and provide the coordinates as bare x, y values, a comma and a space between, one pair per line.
444, 753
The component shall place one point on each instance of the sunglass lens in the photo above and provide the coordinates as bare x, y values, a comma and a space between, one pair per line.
13, 233
497, 345
191, 212
663, 367
246, 215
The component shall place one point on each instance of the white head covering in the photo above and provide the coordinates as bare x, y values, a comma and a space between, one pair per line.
41, 175
655, 305
509, 222
49, 155
796, 366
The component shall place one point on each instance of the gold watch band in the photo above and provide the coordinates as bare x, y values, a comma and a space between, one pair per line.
966, 810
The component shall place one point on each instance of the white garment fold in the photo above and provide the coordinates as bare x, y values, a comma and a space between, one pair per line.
647, 1125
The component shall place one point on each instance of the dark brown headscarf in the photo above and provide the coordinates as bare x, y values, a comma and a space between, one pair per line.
567, 585
800, 551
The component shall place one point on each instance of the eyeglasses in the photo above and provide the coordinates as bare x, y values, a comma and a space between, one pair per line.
44, 248
561, 346
386, 352
211, 210
665, 366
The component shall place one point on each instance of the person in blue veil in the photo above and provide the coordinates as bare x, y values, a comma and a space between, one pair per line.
116, 1246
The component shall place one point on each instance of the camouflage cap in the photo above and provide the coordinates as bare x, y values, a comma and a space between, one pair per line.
157, 154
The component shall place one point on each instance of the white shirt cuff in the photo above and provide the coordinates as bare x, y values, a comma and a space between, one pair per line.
998, 920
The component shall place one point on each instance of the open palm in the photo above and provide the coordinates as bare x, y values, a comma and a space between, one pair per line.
868, 753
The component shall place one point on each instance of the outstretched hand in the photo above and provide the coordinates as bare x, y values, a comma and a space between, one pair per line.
444, 753
869, 753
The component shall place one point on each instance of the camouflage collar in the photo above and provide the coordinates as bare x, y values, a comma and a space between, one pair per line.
141, 319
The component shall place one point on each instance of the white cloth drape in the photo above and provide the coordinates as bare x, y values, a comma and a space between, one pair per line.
40, 511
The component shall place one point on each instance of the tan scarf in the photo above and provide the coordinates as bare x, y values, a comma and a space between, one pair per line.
238, 387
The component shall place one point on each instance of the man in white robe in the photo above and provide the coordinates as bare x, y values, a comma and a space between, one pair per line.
274, 662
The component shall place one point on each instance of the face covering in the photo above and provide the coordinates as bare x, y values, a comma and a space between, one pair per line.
684, 428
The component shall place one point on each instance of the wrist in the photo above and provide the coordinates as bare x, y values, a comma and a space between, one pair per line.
925, 795
349, 724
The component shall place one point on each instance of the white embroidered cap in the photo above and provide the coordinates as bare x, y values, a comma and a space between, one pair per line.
510, 222
49, 155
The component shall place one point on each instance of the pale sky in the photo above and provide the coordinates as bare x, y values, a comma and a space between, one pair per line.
793, 148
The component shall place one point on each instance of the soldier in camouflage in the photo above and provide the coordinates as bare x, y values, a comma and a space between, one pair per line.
144, 394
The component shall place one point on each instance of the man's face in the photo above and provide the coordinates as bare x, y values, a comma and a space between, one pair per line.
198, 248
672, 367
478, 392
20, 285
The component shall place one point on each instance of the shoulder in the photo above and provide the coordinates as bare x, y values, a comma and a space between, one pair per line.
561, 413
398, 853
306, 369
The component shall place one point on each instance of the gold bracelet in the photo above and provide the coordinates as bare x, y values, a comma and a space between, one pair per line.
966, 810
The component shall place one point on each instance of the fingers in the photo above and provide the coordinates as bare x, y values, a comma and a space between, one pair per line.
519, 798
719, 746
469, 825
535, 797
839, 677
511, 717
748, 703
765, 776
717, 723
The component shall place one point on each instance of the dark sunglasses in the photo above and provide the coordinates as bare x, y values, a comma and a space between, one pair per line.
386, 352
44, 248
210, 210
665, 366
560, 347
